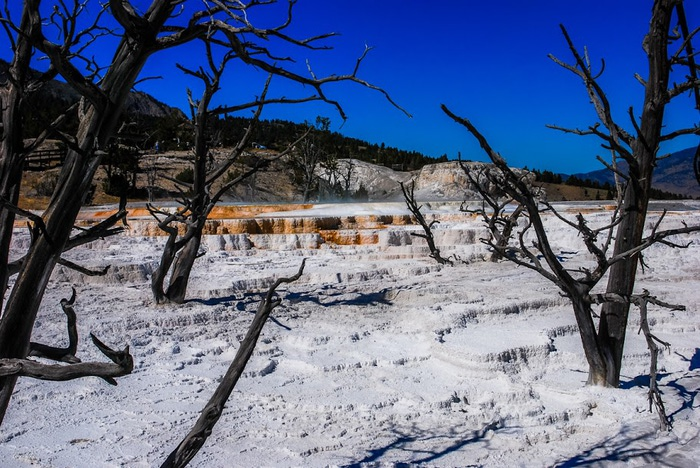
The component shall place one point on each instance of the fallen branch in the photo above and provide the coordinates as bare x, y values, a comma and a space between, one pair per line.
211, 413
122, 362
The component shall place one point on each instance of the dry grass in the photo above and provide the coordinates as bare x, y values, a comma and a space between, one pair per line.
562, 192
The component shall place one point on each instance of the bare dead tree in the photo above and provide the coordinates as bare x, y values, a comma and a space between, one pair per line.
665, 51
415, 209
209, 416
338, 175
180, 252
603, 346
310, 155
576, 285
345, 172
199, 198
494, 210
66, 354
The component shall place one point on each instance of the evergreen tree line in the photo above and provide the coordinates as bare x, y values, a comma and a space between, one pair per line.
276, 134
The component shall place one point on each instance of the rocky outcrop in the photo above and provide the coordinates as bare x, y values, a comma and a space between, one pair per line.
443, 181
434, 182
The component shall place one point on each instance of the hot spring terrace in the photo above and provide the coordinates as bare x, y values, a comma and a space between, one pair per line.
313, 226
307, 225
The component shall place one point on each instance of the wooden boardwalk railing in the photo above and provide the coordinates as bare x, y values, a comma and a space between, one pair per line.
44, 159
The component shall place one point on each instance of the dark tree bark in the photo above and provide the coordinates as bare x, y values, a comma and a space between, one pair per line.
12, 150
614, 316
182, 267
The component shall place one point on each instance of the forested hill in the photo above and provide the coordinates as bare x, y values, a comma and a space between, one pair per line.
273, 133
277, 134
153, 121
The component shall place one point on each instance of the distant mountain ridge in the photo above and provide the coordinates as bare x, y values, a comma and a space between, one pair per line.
672, 174
138, 103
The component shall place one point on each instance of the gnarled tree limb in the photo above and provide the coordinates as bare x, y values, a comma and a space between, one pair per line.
122, 362
66, 354
121, 365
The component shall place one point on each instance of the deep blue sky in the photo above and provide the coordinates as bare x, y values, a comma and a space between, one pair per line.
487, 61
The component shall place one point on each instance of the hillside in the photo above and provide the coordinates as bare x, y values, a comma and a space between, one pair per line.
55, 95
277, 184
673, 174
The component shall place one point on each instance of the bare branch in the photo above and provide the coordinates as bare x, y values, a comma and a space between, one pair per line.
414, 208
52, 129
680, 132
595, 92
654, 237
613, 168
122, 364
37, 220
243, 53
81, 269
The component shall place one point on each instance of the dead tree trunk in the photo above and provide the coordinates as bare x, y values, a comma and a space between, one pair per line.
12, 149
182, 268
614, 316
178, 258
97, 124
